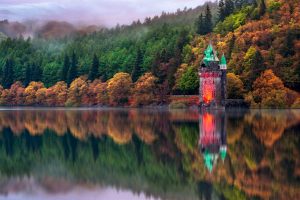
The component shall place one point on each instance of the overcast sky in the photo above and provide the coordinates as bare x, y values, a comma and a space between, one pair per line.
105, 12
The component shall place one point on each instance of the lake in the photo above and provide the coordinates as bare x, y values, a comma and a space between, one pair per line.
149, 154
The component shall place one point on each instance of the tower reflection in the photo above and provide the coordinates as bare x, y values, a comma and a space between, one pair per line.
212, 139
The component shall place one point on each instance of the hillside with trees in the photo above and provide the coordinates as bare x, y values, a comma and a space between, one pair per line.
148, 61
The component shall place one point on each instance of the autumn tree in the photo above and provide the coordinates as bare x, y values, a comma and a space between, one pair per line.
90, 98
30, 92
144, 90
77, 90
269, 91
41, 96
102, 94
57, 94
119, 88
253, 65
16, 93
235, 87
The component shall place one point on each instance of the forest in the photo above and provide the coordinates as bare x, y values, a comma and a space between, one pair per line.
147, 62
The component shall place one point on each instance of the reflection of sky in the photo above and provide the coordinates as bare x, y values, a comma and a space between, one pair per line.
76, 194
107, 12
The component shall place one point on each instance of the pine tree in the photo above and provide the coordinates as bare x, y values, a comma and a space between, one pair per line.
221, 10
36, 73
156, 64
262, 8
200, 25
65, 70
72, 74
102, 70
229, 8
208, 21
8, 74
94, 71
136, 72
27, 75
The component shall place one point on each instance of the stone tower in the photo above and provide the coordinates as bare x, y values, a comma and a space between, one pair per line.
212, 74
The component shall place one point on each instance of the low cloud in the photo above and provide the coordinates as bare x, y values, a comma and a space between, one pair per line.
100, 12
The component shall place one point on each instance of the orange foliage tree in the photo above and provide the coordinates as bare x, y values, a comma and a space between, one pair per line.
143, 91
268, 91
57, 94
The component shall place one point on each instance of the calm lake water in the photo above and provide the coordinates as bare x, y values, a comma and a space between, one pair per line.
149, 154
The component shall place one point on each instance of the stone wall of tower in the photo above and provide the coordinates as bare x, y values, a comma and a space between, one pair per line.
216, 78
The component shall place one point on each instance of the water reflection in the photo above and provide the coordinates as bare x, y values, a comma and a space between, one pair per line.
152, 153
212, 137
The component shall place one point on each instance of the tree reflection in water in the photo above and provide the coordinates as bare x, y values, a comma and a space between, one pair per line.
164, 154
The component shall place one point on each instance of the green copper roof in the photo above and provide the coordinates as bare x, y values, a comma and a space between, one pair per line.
223, 152
208, 160
210, 55
223, 60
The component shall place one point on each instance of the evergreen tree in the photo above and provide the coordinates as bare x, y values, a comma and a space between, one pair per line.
182, 40
262, 8
8, 74
36, 73
229, 8
102, 70
200, 25
221, 10
72, 74
136, 72
208, 21
27, 75
65, 70
94, 71
156, 64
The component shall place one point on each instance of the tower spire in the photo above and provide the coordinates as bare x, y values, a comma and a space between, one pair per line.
223, 62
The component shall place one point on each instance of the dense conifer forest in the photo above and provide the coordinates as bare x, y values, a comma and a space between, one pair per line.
146, 62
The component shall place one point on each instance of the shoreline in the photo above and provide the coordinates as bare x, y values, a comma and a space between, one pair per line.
162, 107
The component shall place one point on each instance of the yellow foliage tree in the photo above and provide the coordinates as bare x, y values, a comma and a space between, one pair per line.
30, 92
77, 90
119, 88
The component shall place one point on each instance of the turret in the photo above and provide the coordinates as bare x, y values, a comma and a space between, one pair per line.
223, 63
210, 55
